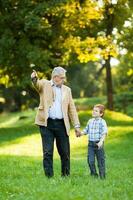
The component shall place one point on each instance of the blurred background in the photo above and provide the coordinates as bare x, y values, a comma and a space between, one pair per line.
91, 39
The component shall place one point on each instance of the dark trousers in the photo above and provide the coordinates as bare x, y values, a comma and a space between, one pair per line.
55, 130
93, 152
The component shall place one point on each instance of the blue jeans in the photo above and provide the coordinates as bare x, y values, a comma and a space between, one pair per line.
94, 151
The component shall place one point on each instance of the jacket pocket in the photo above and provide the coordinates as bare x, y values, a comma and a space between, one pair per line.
41, 113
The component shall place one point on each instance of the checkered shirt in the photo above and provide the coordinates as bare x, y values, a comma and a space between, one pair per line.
96, 128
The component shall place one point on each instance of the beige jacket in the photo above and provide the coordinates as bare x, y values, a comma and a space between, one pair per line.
46, 93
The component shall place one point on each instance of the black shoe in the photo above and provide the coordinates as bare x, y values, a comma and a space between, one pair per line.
49, 175
65, 175
95, 175
102, 177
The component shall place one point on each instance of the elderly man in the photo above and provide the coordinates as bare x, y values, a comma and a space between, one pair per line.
55, 109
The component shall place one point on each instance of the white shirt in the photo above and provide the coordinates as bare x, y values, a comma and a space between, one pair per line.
55, 111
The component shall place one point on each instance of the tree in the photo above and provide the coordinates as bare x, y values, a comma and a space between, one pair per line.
44, 34
106, 40
36, 34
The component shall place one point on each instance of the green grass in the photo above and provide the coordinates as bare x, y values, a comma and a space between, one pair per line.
21, 172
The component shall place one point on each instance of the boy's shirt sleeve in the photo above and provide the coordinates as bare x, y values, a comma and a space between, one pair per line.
86, 129
104, 127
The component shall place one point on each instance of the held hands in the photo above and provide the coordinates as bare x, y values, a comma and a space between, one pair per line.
82, 133
34, 74
77, 132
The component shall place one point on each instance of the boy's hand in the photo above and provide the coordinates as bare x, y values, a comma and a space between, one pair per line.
82, 133
100, 144
34, 74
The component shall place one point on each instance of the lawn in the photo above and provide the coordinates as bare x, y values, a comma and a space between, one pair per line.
21, 172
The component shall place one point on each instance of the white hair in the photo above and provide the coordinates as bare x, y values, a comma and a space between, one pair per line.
58, 71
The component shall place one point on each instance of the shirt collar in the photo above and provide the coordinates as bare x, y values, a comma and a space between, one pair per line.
53, 84
98, 118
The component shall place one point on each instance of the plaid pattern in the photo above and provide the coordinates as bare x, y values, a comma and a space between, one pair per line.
96, 128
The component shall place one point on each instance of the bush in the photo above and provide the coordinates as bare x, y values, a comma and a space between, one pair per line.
123, 102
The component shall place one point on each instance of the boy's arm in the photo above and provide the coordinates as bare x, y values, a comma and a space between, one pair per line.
104, 134
100, 143
85, 130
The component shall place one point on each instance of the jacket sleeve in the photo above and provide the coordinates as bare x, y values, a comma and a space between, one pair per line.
72, 112
38, 84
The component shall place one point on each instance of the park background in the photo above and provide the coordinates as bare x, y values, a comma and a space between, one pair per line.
92, 40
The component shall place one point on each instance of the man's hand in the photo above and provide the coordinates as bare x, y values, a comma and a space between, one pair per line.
100, 144
34, 74
77, 132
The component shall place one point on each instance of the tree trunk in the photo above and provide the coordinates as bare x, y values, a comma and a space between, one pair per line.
109, 84
109, 28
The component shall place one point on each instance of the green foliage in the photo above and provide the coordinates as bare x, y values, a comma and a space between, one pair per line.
44, 34
82, 79
124, 74
122, 102
41, 33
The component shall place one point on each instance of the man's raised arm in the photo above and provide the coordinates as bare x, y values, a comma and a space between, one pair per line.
36, 82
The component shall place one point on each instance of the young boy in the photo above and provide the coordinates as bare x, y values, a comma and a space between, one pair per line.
97, 130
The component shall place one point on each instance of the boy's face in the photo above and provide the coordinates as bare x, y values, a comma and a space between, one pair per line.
96, 112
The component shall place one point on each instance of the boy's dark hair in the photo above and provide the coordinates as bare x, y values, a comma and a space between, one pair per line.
101, 108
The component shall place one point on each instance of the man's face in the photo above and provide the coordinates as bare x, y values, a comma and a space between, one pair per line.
60, 79
96, 112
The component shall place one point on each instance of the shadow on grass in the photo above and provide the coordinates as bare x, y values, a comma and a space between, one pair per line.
12, 133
